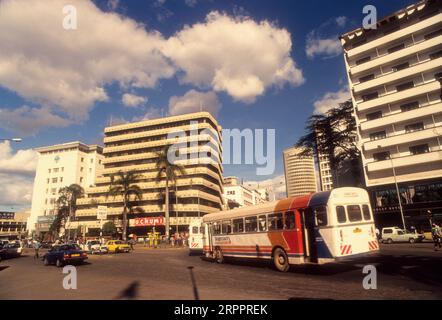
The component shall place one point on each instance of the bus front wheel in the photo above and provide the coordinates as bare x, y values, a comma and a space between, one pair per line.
281, 260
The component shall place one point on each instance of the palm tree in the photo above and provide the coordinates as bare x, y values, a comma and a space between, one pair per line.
124, 184
170, 171
67, 205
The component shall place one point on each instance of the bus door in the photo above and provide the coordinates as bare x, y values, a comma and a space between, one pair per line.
309, 224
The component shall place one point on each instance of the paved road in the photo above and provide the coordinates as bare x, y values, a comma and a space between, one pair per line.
404, 272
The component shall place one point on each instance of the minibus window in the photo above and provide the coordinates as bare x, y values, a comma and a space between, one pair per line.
354, 213
262, 223
216, 228
195, 230
202, 230
366, 212
340, 213
289, 222
227, 227
321, 216
251, 224
275, 221
238, 225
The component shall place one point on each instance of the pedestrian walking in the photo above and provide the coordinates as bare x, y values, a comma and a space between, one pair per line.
436, 233
36, 249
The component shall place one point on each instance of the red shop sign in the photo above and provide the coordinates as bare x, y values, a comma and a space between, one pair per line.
148, 222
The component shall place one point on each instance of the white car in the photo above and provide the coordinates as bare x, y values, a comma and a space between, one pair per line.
94, 246
395, 234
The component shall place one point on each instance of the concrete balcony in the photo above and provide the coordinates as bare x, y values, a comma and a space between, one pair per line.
402, 116
382, 41
404, 138
399, 75
389, 58
399, 96
433, 156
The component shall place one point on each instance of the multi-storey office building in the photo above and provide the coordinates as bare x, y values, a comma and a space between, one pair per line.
60, 166
300, 173
13, 224
325, 173
135, 147
395, 76
241, 195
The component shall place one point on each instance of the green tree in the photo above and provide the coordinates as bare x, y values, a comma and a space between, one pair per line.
66, 206
170, 172
109, 229
123, 184
333, 135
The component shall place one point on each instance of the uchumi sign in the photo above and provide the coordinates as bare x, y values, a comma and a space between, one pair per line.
150, 221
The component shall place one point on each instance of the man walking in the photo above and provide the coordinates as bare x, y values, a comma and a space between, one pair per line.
436, 233
36, 249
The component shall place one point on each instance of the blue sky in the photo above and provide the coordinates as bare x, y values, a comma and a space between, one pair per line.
284, 107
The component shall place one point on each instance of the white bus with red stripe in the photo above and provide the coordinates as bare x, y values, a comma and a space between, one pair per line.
196, 233
317, 228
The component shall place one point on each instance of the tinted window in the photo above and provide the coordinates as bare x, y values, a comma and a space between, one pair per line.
354, 213
227, 227
289, 222
251, 224
275, 221
321, 216
366, 212
388, 231
262, 223
238, 225
340, 213
195, 230
202, 230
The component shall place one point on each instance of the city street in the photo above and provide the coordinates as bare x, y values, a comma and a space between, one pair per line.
404, 272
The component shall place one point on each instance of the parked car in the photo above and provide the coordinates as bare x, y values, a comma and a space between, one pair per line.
94, 246
395, 234
61, 255
116, 246
11, 250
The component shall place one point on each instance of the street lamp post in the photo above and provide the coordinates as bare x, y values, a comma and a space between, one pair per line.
176, 203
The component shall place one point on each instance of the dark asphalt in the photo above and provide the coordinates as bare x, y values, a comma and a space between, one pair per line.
405, 271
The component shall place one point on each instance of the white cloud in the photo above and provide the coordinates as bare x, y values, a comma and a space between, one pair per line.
67, 70
194, 101
191, 3
234, 54
325, 47
28, 121
132, 100
320, 41
331, 100
17, 172
151, 113
113, 4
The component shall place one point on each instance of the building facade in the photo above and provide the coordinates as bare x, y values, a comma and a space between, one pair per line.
395, 76
300, 173
60, 166
243, 196
13, 224
135, 147
325, 173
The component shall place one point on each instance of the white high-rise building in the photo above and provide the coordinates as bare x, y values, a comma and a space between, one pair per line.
60, 166
300, 173
241, 195
395, 76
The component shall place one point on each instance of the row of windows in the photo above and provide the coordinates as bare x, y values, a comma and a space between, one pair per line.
260, 223
414, 150
418, 126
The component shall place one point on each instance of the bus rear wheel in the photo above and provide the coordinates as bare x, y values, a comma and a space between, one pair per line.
281, 260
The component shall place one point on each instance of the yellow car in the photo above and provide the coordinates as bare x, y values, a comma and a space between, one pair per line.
116, 246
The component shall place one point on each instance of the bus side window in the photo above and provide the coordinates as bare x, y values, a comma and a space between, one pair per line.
366, 212
275, 221
321, 216
202, 230
289, 221
227, 227
340, 213
251, 224
238, 225
216, 228
262, 223
194, 230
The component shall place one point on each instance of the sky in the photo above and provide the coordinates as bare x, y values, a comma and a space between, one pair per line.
252, 64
